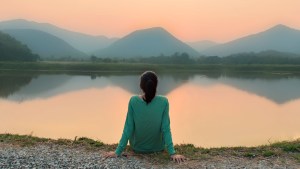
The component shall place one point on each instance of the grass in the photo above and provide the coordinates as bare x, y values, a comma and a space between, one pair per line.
297, 157
23, 140
268, 153
284, 148
88, 142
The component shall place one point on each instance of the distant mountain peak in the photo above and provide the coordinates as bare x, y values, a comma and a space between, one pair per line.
152, 30
279, 37
279, 27
148, 42
81, 41
153, 33
157, 28
17, 20
22, 21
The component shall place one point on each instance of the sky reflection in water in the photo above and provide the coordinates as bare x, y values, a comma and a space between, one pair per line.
205, 111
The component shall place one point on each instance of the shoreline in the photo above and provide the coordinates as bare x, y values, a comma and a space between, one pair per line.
89, 67
285, 154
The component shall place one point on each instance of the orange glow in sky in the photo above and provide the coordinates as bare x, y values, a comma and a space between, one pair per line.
189, 20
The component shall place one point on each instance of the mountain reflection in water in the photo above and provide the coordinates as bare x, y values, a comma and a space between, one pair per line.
208, 110
25, 87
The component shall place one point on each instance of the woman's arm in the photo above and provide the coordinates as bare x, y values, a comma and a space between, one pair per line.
168, 137
167, 131
127, 131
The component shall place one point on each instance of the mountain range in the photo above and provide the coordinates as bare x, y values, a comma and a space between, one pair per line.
154, 41
39, 42
145, 43
13, 50
280, 38
83, 42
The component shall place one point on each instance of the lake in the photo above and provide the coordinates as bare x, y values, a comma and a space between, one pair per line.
208, 110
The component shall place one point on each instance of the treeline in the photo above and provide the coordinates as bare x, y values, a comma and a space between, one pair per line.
13, 50
266, 57
176, 58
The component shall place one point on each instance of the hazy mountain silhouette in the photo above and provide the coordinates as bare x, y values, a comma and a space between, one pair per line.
19, 88
10, 84
270, 88
157, 41
13, 50
44, 44
202, 45
280, 38
45, 86
146, 42
83, 42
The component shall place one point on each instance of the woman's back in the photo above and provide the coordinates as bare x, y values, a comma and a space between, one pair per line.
148, 119
147, 126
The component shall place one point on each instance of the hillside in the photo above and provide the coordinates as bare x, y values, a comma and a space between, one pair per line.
147, 42
44, 44
202, 45
83, 42
280, 38
13, 50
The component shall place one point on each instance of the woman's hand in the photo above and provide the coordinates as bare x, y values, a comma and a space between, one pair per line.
178, 158
110, 154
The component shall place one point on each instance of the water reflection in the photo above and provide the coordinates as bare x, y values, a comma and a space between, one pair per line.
221, 115
9, 83
45, 86
93, 113
206, 109
279, 89
207, 116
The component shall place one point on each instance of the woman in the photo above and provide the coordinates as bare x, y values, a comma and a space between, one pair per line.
147, 125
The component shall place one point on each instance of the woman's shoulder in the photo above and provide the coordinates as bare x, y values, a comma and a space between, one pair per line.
135, 98
161, 97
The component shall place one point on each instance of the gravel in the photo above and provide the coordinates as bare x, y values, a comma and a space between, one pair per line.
62, 156
59, 156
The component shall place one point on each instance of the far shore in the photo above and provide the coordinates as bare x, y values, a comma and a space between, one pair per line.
85, 67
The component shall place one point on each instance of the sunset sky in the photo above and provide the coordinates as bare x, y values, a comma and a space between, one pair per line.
189, 20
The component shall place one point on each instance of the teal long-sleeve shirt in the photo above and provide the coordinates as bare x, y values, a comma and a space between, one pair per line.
147, 126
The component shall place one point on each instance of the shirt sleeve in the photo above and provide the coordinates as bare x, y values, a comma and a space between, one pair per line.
167, 131
127, 131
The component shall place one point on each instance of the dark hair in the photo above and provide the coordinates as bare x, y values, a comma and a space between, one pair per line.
148, 84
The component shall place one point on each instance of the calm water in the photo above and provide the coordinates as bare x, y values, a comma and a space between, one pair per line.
206, 110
